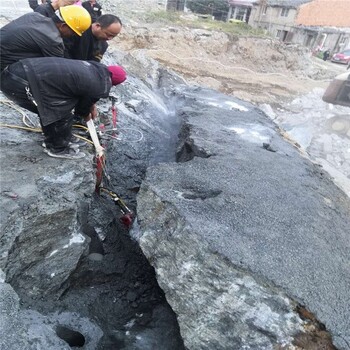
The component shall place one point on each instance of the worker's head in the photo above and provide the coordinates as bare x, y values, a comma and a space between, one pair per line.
106, 27
56, 4
118, 74
72, 20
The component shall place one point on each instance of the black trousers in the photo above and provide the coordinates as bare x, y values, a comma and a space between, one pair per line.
13, 85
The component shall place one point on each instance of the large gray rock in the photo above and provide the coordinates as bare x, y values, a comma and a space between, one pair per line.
206, 226
11, 330
41, 197
65, 254
30, 330
243, 213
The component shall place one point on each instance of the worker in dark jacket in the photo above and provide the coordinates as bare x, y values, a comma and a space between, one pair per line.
93, 43
93, 8
34, 35
52, 87
33, 4
49, 9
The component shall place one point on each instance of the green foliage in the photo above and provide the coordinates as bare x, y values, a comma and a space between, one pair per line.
217, 8
241, 29
319, 54
162, 16
179, 19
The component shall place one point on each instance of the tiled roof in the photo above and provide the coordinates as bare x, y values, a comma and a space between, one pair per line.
284, 3
241, 2
335, 13
328, 30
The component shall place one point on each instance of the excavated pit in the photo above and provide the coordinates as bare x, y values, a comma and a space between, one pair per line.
114, 284
112, 299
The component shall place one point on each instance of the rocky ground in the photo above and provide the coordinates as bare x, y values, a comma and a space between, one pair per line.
255, 69
87, 274
285, 81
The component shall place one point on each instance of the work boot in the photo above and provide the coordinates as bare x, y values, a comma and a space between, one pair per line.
76, 142
70, 144
67, 153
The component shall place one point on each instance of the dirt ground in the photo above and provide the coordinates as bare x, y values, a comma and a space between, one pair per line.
254, 69
258, 70
286, 82
251, 69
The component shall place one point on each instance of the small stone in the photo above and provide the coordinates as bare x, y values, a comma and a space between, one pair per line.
134, 305
95, 257
268, 147
12, 195
131, 296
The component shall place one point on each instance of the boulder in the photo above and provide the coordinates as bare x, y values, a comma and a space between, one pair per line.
242, 229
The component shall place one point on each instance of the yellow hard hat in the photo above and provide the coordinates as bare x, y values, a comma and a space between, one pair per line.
76, 17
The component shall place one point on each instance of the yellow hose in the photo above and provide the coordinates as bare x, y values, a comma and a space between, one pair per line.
83, 138
20, 127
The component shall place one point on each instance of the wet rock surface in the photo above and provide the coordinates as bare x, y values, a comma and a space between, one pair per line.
78, 274
235, 256
41, 197
233, 210
214, 214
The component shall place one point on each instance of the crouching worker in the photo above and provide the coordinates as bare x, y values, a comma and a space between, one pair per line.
53, 87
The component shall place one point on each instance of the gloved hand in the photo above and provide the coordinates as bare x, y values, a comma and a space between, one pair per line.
93, 111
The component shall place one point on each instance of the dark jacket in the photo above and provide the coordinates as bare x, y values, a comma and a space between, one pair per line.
60, 85
31, 35
86, 47
45, 9
95, 10
33, 4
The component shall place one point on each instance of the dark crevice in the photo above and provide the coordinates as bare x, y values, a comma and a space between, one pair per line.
201, 194
72, 338
119, 293
188, 150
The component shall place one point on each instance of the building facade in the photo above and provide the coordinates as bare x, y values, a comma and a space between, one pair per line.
317, 24
240, 10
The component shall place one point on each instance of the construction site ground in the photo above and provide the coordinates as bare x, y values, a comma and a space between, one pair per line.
285, 80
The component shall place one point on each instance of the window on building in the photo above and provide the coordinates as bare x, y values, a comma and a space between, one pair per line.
309, 40
278, 34
264, 10
343, 42
240, 15
284, 12
284, 35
